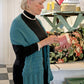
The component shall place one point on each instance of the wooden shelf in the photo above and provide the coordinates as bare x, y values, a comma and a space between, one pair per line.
59, 18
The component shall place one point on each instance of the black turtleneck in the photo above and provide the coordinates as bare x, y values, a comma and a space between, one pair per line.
34, 25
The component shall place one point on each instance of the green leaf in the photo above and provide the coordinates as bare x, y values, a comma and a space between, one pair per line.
57, 56
50, 58
71, 52
52, 54
74, 59
52, 62
81, 56
65, 59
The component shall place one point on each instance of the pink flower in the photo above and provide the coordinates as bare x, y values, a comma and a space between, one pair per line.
78, 50
77, 34
74, 40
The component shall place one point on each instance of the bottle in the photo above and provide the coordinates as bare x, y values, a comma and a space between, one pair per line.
53, 5
49, 7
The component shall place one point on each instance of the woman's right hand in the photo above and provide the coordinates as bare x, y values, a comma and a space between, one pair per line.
49, 40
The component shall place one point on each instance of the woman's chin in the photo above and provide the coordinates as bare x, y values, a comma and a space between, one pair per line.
38, 13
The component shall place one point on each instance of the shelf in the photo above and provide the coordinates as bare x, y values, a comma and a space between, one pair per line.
59, 19
63, 13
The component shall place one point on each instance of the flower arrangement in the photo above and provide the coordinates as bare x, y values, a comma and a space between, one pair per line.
74, 53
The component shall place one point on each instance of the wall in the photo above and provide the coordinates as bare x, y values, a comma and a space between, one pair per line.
9, 10
1, 46
3, 33
14, 12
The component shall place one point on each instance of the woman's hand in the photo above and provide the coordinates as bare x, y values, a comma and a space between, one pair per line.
64, 41
49, 40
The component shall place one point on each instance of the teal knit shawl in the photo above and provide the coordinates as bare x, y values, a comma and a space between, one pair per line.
33, 71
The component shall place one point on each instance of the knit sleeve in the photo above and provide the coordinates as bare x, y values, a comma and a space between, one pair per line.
22, 52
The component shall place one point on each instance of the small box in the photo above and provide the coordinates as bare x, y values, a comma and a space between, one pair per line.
68, 7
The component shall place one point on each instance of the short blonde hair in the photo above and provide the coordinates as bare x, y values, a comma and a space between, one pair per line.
24, 4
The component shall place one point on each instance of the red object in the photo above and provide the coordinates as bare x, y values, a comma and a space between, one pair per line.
64, 40
47, 32
60, 60
59, 1
78, 50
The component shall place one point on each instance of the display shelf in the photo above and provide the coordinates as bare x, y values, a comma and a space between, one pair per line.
59, 18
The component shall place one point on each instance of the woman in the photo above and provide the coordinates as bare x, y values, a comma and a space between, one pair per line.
31, 46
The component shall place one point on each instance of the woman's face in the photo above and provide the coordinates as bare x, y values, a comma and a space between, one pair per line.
35, 6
